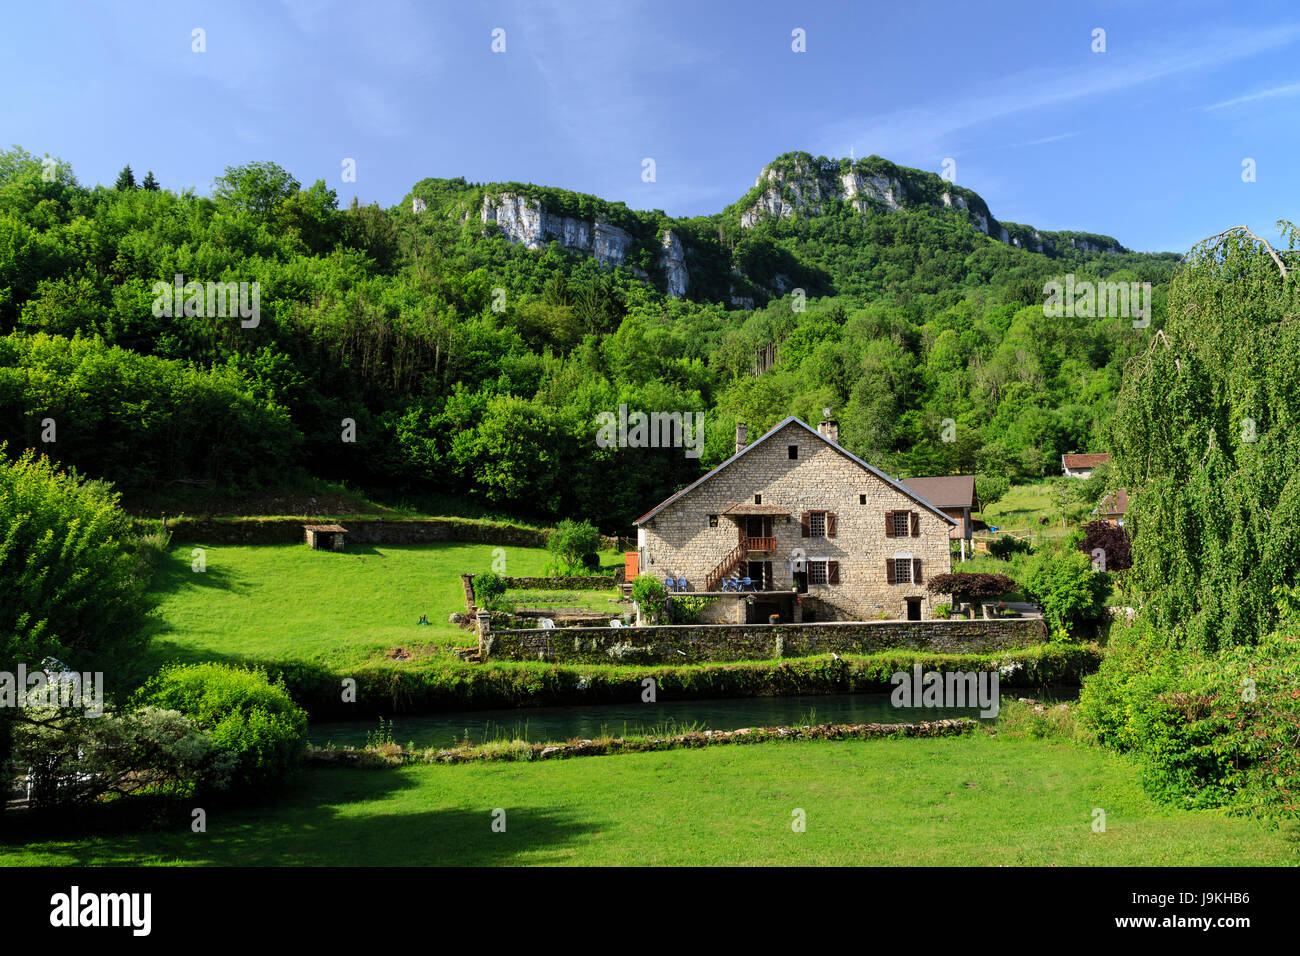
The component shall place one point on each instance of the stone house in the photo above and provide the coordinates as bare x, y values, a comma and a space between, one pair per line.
1113, 507
822, 534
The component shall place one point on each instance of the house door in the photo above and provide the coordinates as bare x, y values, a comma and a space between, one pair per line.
801, 581
756, 569
914, 609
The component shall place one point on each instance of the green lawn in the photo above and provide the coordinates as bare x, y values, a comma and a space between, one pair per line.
975, 800
288, 602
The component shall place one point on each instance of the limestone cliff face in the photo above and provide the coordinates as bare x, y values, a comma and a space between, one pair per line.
523, 220
528, 222
796, 185
672, 260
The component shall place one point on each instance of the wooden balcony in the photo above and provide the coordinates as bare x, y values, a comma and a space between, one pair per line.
760, 544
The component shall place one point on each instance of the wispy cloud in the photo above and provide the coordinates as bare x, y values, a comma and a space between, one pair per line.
930, 127
1044, 141
1291, 89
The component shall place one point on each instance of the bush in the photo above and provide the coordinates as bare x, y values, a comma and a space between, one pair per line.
571, 540
1004, 546
488, 587
1068, 590
649, 594
973, 588
591, 561
1207, 729
245, 715
1112, 542
687, 610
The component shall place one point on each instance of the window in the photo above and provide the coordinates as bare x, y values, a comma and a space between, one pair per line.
862, 499
758, 499
900, 521
817, 524
792, 451
902, 570
816, 572
713, 521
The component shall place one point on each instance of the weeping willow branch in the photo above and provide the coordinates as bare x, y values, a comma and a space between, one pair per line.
1264, 242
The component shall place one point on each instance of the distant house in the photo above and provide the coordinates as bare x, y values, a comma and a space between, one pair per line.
1113, 507
820, 533
1081, 466
954, 495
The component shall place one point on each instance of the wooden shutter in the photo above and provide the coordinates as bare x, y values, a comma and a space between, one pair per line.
916, 571
803, 525
916, 524
830, 525
889, 524
889, 570
832, 572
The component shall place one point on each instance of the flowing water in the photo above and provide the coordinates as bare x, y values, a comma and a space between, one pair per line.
618, 720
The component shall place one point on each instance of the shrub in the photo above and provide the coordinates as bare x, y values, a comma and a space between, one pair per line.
488, 587
571, 540
1111, 541
974, 588
687, 610
1004, 546
649, 594
1067, 588
245, 715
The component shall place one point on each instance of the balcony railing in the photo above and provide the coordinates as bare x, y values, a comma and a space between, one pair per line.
760, 544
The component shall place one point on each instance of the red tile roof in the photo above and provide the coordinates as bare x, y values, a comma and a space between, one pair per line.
1085, 461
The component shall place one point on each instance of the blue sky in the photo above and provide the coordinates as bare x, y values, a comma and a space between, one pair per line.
1144, 142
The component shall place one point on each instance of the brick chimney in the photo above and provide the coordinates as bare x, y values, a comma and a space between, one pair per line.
830, 429
741, 432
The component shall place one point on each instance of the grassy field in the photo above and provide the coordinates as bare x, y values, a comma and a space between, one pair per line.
976, 800
287, 602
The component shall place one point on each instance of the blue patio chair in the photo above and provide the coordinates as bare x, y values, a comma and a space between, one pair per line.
746, 584
683, 584
670, 584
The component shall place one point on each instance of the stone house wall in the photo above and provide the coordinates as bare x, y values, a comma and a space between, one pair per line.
679, 541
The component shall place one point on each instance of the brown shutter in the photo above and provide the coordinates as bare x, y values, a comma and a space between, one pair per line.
916, 525
916, 571
803, 525
889, 570
830, 525
889, 524
832, 572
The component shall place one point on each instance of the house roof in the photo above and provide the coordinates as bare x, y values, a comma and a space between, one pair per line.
1114, 503
1085, 461
896, 485
333, 528
951, 491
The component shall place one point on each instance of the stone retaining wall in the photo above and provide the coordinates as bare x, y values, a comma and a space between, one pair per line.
693, 643
360, 531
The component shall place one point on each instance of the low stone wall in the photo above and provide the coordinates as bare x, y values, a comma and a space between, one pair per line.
361, 531
594, 582
694, 643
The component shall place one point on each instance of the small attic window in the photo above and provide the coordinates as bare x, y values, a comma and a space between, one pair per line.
862, 499
792, 451
758, 499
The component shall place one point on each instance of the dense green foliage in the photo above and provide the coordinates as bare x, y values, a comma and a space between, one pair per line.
1068, 589
1205, 441
246, 716
407, 352
72, 585
571, 541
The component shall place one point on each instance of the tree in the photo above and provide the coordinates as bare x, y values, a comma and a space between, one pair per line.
571, 540
990, 489
125, 179
971, 588
1204, 438
150, 184
259, 188
1067, 588
1113, 543
70, 587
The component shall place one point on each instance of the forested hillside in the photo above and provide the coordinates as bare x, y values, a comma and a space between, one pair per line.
472, 365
